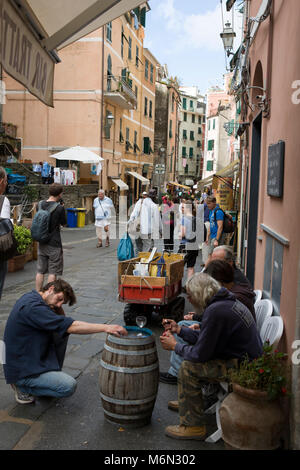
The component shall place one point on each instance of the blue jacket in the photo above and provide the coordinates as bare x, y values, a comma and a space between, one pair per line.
228, 331
28, 338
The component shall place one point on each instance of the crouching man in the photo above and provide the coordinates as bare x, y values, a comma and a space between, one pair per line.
35, 338
228, 333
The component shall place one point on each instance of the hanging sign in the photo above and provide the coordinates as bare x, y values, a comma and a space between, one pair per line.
22, 56
223, 192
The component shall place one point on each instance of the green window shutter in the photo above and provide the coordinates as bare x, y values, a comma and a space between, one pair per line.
184, 151
210, 145
124, 74
184, 103
191, 152
146, 68
198, 143
209, 165
185, 117
147, 145
184, 134
192, 135
151, 73
143, 16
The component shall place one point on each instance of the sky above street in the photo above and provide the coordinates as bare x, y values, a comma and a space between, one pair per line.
185, 35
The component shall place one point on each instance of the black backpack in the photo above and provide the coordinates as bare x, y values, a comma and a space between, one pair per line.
8, 243
40, 228
228, 224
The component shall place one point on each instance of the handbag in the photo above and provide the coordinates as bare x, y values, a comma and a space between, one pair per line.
8, 242
104, 216
125, 249
138, 223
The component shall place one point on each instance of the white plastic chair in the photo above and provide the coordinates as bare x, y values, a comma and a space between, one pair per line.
263, 309
258, 296
215, 408
272, 330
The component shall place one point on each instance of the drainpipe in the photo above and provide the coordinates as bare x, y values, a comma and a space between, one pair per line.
102, 110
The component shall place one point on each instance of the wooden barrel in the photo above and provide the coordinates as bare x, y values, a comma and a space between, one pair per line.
129, 373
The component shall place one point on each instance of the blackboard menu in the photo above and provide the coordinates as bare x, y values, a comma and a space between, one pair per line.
276, 169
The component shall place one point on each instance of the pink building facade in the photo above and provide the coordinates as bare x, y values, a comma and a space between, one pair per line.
271, 109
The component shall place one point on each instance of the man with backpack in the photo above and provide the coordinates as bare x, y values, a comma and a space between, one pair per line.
215, 234
46, 230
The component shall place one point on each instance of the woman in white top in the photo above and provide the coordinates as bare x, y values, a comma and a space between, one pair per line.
5, 214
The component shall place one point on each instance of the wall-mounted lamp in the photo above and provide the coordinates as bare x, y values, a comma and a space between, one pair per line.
109, 119
228, 36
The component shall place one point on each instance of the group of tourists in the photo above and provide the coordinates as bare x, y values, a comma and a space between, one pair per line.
212, 339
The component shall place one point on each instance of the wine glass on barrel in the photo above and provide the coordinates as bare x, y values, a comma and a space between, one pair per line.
141, 321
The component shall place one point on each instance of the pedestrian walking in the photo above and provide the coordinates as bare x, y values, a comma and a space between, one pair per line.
36, 336
5, 214
103, 207
188, 244
215, 235
50, 252
145, 222
168, 221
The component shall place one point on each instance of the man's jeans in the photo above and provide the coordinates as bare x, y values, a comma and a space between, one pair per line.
50, 384
175, 359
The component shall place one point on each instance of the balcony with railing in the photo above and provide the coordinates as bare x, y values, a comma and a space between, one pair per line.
119, 92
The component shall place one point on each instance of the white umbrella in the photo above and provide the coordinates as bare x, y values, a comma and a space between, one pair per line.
78, 154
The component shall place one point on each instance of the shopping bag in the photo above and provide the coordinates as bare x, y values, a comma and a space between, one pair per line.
125, 249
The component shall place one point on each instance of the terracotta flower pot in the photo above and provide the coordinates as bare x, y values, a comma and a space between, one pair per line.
250, 421
16, 263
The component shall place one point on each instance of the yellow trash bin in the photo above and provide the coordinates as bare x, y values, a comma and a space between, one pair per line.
80, 217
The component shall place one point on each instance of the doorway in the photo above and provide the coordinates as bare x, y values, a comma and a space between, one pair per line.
253, 197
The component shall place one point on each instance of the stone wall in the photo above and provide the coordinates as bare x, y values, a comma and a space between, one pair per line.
77, 196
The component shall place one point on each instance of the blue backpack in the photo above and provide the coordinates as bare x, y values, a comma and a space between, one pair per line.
40, 228
125, 248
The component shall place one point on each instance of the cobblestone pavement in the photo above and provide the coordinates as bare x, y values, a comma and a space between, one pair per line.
77, 422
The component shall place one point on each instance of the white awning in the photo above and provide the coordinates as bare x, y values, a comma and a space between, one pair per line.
78, 154
35, 29
123, 186
139, 177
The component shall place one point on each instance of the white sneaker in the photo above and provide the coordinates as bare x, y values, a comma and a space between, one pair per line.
21, 397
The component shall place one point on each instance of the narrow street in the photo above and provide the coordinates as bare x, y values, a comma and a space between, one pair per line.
78, 422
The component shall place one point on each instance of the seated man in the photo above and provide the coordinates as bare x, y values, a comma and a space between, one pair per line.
35, 340
225, 253
228, 334
223, 272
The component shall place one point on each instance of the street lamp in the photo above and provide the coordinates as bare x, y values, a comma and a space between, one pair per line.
228, 36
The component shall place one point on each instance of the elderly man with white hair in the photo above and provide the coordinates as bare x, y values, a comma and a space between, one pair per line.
103, 206
228, 334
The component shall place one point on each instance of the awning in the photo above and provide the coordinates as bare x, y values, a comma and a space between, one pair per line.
179, 185
78, 154
32, 31
123, 186
139, 177
229, 170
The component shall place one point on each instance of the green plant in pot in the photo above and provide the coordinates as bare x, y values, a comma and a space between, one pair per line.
23, 238
268, 373
251, 416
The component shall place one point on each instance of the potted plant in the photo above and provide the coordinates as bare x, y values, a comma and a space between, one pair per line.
251, 416
24, 241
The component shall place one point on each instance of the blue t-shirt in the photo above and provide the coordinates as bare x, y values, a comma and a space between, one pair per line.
213, 222
28, 338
